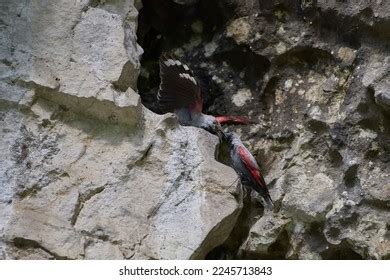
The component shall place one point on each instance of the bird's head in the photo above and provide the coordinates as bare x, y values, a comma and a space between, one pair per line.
229, 136
213, 126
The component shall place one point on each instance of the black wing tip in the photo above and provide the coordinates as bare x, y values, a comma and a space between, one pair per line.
178, 85
269, 204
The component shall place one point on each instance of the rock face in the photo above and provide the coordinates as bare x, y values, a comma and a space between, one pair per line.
87, 172
315, 76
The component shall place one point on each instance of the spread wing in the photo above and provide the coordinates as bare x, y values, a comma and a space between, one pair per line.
178, 88
252, 167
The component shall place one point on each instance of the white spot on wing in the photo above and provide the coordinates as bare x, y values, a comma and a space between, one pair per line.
187, 76
186, 67
169, 62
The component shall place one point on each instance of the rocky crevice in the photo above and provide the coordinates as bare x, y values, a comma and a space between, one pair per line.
81, 200
23, 244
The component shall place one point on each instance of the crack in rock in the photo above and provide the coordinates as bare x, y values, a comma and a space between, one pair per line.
21, 242
81, 200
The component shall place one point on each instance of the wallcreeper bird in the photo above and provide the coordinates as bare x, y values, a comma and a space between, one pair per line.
246, 167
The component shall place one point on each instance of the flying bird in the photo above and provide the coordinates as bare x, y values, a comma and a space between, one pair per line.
180, 93
246, 167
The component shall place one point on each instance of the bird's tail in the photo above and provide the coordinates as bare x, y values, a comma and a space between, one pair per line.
269, 204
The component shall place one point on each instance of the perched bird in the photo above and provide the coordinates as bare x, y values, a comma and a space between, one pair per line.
246, 167
180, 93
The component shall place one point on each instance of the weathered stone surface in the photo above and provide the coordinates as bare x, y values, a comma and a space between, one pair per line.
238, 30
64, 50
87, 172
241, 97
317, 192
263, 234
79, 189
377, 78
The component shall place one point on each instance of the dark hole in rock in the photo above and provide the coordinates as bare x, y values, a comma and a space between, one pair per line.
25, 243
350, 176
164, 25
279, 249
335, 157
349, 31
338, 134
45, 122
269, 91
242, 59
349, 217
307, 56
334, 232
372, 153
387, 234
314, 237
317, 126
341, 252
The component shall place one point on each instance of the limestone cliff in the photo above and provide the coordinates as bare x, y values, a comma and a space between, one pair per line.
86, 170
90, 169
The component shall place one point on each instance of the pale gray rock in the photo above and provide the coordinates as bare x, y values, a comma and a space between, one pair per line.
263, 234
64, 49
308, 197
382, 93
87, 172
79, 189
377, 78
172, 181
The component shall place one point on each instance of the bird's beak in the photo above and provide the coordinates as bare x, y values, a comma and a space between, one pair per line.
220, 133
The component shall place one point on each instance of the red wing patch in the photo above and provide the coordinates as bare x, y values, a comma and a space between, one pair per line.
198, 105
252, 167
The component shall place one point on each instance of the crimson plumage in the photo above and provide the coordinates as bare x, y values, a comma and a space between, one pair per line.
246, 167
